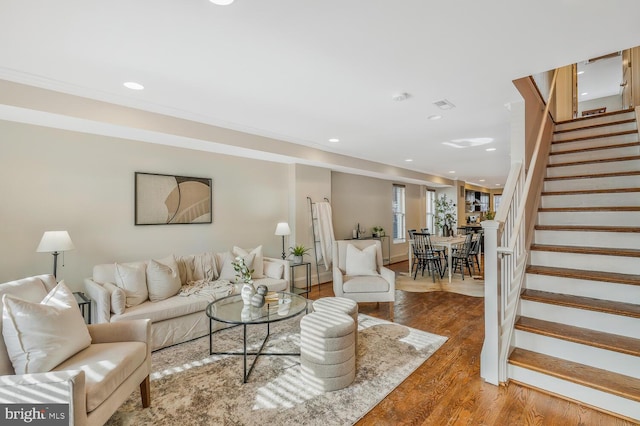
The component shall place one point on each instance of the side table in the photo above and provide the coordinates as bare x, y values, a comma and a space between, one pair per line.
307, 289
83, 300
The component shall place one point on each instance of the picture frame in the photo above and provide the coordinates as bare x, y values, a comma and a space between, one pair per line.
172, 200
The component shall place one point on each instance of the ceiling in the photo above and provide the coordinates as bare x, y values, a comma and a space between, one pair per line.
307, 71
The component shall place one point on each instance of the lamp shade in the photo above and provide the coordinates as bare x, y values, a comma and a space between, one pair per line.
283, 229
53, 241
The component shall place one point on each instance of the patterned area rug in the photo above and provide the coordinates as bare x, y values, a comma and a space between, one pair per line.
470, 286
188, 387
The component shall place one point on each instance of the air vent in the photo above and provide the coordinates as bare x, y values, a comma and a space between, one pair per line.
599, 58
444, 104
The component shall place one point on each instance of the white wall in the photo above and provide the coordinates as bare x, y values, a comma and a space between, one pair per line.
60, 180
613, 103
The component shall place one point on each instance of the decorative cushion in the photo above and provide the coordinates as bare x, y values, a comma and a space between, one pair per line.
40, 336
227, 272
118, 298
163, 278
273, 270
361, 262
132, 279
258, 262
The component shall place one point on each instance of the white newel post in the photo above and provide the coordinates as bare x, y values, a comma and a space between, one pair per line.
490, 357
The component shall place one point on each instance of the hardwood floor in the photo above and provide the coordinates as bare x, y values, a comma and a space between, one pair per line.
447, 388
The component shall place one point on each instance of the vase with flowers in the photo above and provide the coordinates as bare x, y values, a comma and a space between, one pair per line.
243, 274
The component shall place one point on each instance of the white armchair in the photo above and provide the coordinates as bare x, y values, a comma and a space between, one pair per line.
380, 287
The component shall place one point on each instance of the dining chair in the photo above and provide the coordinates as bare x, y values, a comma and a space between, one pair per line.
474, 253
425, 257
460, 257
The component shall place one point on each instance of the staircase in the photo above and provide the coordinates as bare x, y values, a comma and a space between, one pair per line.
578, 330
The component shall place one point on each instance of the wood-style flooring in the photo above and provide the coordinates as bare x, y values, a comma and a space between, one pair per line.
447, 388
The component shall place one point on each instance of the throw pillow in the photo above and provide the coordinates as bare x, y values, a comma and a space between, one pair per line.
227, 272
132, 279
163, 278
273, 270
118, 298
40, 336
258, 262
361, 262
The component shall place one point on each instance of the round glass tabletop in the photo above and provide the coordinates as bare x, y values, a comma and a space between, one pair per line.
279, 306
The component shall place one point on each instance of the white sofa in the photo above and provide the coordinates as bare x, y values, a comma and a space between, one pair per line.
178, 318
96, 380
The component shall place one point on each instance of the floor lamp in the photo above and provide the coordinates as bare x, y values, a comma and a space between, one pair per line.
55, 242
283, 229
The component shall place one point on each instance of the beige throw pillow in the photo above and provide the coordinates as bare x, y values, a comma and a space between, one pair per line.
258, 262
361, 262
40, 336
132, 279
227, 272
118, 298
163, 278
273, 270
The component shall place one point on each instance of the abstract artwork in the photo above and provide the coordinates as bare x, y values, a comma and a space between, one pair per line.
168, 200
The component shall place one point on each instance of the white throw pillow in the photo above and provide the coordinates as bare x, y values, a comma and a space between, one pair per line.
163, 278
361, 262
40, 336
132, 279
258, 262
118, 298
273, 270
227, 272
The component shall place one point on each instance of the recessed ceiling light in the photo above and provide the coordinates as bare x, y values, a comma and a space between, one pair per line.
334, 140
490, 149
434, 117
584, 94
408, 160
481, 180
580, 72
133, 85
222, 2
497, 184
452, 171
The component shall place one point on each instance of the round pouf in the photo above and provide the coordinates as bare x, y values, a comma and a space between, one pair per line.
338, 304
328, 350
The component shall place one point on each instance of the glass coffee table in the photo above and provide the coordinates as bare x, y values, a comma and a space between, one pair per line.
231, 310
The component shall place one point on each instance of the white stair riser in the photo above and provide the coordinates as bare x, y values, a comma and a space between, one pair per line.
592, 121
576, 392
600, 167
600, 154
607, 199
630, 181
617, 362
599, 321
587, 262
626, 240
595, 143
596, 218
586, 288
596, 131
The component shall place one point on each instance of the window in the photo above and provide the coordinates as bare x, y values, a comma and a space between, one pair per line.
430, 209
398, 207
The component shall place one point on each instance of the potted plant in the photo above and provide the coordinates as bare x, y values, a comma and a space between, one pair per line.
445, 216
298, 253
243, 274
490, 215
377, 231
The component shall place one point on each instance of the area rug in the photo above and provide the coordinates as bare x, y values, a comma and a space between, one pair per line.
189, 387
470, 286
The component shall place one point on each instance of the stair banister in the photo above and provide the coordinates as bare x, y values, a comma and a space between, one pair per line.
506, 258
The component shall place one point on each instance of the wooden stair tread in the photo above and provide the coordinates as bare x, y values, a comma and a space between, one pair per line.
606, 251
604, 135
584, 336
596, 378
581, 274
593, 117
596, 148
586, 303
591, 191
597, 161
595, 126
584, 228
596, 175
590, 209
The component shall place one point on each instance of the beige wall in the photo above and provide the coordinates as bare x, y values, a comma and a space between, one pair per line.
59, 180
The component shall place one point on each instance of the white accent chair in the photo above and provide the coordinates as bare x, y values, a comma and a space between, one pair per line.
363, 288
96, 380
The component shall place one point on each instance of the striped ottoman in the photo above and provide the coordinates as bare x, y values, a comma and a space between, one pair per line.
328, 350
338, 304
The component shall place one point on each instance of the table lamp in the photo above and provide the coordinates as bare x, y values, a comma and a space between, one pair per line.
55, 242
283, 229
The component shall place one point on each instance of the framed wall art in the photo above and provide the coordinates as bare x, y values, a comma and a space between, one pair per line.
169, 200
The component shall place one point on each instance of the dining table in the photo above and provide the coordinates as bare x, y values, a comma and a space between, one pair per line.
448, 242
